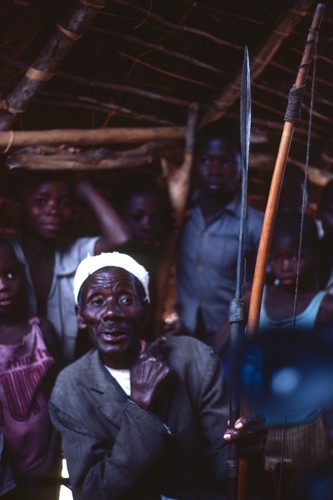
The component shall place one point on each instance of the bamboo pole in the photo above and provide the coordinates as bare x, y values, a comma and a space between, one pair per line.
76, 20
277, 179
89, 137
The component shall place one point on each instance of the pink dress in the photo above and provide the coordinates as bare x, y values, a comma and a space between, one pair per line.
24, 417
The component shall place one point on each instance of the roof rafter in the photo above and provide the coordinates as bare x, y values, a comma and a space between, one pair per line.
75, 22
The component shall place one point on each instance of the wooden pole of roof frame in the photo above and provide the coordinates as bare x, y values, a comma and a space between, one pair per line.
178, 181
63, 159
75, 22
260, 60
89, 137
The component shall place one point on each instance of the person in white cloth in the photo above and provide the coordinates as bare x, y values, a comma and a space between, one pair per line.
140, 420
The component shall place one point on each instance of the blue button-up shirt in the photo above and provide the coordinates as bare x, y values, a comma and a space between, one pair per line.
207, 264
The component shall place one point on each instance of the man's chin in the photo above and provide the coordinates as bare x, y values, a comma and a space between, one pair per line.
220, 192
121, 358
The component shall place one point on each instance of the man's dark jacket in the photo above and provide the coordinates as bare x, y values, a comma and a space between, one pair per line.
117, 450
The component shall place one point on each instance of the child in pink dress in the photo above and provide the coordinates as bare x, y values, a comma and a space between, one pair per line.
29, 353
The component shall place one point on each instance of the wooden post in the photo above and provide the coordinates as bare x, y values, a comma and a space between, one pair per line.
178, 180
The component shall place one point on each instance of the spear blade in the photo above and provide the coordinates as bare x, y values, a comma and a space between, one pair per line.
245, 110
245, 132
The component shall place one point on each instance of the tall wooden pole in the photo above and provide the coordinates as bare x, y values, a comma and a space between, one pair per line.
291, 117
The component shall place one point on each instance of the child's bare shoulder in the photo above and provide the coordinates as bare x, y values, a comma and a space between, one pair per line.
326, 309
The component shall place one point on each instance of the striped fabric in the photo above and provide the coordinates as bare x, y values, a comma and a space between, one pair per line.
305, 445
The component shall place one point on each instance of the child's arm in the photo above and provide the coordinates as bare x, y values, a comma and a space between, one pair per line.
54, 348
113, 230
52, 341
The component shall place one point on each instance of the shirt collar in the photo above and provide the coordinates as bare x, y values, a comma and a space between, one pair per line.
233, 206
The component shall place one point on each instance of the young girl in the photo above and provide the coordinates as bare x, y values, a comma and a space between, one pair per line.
29, 360
297, 436
314, 307
49, 252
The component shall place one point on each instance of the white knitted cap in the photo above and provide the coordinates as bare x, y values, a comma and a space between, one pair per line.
93, 263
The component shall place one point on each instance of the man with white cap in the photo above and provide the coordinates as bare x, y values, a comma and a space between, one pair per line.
140, 420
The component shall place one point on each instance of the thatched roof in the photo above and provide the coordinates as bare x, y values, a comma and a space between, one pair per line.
86, 64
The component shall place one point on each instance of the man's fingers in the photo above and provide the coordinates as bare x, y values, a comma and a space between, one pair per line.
143, 345
153, 348
247, 427
255, 420
149, 350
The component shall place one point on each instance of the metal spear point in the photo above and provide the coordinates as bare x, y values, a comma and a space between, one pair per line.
245, 132
236, 308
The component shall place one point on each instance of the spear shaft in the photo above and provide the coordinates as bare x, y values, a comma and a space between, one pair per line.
236, 308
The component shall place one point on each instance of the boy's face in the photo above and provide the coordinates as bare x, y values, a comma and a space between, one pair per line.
284, 262
47, 209
218, 167
10, 282
144, 216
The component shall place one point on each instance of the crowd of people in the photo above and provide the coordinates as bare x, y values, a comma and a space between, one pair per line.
138, 413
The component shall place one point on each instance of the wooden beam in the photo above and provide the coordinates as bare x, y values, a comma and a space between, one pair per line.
259, 61
51, 158
76, 20
89, 137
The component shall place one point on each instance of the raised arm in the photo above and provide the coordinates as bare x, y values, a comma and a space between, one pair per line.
113, 230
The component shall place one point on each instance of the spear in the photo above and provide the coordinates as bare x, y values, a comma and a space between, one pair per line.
236, 308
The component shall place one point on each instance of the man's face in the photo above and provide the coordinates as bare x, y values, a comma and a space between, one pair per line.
218, 167
113, 314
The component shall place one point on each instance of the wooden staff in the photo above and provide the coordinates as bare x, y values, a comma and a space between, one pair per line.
291, 117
